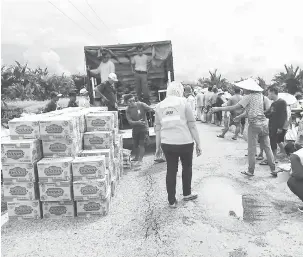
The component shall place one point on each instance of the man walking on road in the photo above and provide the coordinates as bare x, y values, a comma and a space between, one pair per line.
258, 125
141, 64
231, 102
136, 117
108, 92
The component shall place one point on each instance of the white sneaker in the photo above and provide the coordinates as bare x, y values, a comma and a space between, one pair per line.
174, 205
190, 197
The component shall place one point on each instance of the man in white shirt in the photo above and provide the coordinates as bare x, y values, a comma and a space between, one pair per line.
141, 64
105, 68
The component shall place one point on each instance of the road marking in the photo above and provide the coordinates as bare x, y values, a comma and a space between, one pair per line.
4, 219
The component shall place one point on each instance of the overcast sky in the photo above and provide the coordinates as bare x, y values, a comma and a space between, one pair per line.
240, 38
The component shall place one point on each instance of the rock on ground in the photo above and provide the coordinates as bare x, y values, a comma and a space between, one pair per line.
234, 216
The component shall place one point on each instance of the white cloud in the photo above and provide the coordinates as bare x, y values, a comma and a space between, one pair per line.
240, 38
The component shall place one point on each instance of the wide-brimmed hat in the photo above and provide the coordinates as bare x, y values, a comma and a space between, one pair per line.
288, 98
249, 84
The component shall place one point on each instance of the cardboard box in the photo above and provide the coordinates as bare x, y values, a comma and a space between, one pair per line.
21, 151
22, 191
62, 125
93, 207
58, 210
89, 168
55, 169
90, 189
19, 172
24, 128
24, 210
99, 121
116, 119
108, 153
98, 140
60, 148
56, 191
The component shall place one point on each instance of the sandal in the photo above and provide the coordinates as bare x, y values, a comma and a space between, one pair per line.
274, 173
265, 162
247, 173
260, 158
220, 136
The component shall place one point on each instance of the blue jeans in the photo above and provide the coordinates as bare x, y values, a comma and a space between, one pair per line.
254, 132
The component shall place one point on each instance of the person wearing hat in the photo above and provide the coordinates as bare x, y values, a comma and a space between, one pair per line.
108, 92
140, 65
136, 117
84, 100
53, 104
73, 100
105, 68
258, 124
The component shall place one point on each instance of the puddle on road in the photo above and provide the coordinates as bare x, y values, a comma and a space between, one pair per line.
223, 199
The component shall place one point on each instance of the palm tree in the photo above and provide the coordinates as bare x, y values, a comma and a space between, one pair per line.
291, 80
215, 79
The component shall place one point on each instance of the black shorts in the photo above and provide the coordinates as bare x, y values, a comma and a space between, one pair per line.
140, 138
276, 138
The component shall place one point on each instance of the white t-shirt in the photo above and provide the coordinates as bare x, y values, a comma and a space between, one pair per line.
140, 62
105, 69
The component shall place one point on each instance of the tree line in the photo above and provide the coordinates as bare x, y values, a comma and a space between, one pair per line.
289, 80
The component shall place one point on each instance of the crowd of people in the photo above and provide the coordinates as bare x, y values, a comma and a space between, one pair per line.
269, 120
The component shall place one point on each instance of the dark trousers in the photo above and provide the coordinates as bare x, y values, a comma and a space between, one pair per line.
172, 154
296, 186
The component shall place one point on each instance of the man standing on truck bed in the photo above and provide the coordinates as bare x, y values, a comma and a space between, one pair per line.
141, 63
108, 92
105, 68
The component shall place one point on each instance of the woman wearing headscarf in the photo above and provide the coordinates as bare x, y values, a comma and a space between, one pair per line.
176, 133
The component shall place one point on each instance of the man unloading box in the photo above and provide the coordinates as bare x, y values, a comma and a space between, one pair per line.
108, 92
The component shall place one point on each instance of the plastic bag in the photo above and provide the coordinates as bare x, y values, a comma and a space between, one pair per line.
291, 134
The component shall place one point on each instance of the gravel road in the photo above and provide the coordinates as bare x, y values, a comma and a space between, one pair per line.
234, 216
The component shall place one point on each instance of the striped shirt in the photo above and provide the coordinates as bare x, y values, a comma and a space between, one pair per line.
254, 106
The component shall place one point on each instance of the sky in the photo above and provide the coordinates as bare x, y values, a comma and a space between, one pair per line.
240, 38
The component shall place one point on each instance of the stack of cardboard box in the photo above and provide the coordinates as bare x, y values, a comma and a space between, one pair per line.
19, 167
55, 184
83, 161
91, 186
